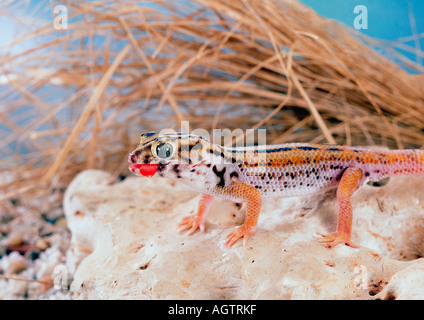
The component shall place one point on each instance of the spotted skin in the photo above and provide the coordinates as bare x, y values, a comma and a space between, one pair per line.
248, 174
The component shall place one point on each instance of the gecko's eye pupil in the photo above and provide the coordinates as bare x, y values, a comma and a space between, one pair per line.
164, 150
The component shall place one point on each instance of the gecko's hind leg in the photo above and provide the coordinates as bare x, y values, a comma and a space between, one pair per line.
349, 183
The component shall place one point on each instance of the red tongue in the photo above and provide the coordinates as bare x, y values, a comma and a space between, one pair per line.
147, 170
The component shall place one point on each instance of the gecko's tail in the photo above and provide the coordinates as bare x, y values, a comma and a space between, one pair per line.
396, 163
421, 160
405, 162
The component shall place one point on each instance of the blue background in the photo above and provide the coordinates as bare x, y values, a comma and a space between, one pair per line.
387, 19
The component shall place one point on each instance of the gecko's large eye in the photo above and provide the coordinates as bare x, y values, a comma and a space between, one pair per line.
164, 150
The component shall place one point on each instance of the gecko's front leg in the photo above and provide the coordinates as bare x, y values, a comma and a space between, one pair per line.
236, 190
253, 199
197, 221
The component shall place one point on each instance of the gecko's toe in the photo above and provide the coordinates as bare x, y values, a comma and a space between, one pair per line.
239, 232
335, 238
192, 223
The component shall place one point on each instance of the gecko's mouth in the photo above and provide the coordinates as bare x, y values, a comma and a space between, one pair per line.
147, 170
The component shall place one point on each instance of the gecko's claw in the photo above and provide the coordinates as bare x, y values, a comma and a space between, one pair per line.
335, 238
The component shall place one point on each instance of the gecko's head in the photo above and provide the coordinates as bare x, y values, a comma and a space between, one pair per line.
153, 153
156, 151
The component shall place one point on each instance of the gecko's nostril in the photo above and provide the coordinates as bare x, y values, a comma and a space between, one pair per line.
131, 158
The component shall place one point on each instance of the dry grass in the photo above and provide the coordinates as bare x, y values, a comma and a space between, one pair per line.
79, 98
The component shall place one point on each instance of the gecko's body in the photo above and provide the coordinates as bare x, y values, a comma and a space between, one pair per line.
247, 174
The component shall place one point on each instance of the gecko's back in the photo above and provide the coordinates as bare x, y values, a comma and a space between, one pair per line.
298, 169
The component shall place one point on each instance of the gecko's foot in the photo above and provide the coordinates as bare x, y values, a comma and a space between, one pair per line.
335, 238
191, 222
239, 232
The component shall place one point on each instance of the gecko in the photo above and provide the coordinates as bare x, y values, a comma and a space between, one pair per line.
252, 173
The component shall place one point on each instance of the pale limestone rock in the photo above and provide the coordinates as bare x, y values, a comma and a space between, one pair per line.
407, 284
125, 244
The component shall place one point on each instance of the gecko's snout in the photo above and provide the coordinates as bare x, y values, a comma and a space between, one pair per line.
141, 169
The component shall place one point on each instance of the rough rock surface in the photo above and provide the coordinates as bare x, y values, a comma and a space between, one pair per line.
125, 244
34, 241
